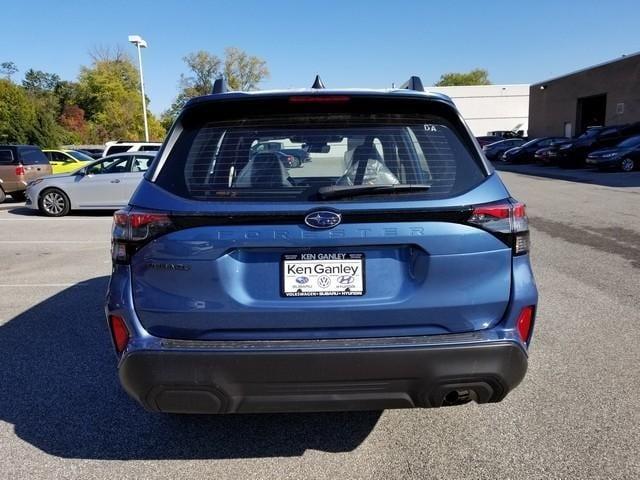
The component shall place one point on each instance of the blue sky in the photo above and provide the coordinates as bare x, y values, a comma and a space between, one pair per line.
351, 44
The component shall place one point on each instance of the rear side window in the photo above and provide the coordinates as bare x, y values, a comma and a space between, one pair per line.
149, 148
117, 149
242, 159
141, 163
6, 156
33, 156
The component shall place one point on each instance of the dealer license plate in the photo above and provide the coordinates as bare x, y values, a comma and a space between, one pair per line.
322, 274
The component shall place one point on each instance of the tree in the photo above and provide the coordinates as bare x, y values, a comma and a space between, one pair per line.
205, 68
8, 69
477, 76
39, 82
72, 120
17, 113
27, 118
109, 94
242, 72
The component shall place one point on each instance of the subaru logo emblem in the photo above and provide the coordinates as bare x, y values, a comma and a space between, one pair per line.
322, 219
302, 280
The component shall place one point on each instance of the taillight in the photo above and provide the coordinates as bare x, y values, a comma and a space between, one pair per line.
507, 219
134, 228
19, 170
524, 323
119, 333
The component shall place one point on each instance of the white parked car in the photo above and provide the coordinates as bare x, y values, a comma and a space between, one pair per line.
106, 184
112, 148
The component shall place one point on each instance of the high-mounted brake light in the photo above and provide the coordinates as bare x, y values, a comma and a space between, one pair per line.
319, 99
19, 170
507, 219
132, 229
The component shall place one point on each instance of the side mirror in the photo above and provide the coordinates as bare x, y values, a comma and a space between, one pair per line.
82, 172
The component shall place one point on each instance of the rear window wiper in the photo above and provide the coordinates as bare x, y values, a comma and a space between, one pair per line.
337, 191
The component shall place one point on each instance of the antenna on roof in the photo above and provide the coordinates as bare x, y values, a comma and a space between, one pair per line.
414, 83
220, 86
318, 83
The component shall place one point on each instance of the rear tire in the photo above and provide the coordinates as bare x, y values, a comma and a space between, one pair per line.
19, 196
627, 164
54, 202
3, 196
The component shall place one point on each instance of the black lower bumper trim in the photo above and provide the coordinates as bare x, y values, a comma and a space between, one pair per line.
321, 380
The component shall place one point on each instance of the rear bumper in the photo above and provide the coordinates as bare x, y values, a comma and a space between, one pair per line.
245, 377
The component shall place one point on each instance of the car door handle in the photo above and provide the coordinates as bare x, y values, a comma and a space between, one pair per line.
115, 181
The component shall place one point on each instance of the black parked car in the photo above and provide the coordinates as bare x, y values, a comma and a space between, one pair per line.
574, 153
624, 156
493, 150
487, 139
301, 155
547, 155
92, 152
525, 153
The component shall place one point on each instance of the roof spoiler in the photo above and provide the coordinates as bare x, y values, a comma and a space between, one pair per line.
220, 86
414, 83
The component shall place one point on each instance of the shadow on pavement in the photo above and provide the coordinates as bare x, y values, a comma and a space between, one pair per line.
581, 175
59, 389
21, 210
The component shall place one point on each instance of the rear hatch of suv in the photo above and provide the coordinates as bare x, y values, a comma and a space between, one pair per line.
395, 227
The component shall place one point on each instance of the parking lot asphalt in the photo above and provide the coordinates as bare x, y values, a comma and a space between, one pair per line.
576, 415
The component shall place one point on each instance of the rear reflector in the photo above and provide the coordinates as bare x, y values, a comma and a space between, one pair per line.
119, 333
524, 322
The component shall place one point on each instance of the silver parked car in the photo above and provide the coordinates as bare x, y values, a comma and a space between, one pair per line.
106, 184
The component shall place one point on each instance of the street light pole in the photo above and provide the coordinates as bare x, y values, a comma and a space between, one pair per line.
140, 44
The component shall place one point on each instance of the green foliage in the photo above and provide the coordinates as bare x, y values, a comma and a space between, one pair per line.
8, 69
241, 70
205, 68
17, 114
39, 82
108, 93
104, 103
477, 76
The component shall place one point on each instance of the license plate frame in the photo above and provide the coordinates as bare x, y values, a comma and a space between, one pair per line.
304, 280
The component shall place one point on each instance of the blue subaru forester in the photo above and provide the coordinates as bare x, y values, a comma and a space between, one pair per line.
389, 269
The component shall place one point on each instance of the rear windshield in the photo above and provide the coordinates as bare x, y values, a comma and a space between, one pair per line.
630, 142
33, 156
6, 156
149, 148
83, 157
290, 158
116, 149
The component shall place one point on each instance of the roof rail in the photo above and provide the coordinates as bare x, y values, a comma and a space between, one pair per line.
318, 83
414, 83
220, 86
